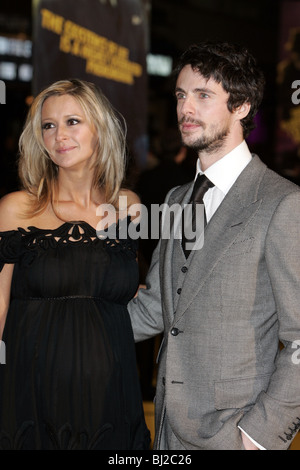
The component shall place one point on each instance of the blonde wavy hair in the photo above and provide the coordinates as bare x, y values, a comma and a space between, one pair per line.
38, 173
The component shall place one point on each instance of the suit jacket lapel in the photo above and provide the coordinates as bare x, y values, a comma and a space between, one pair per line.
236, 210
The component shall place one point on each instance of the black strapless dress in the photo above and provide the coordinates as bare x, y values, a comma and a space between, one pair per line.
70, 380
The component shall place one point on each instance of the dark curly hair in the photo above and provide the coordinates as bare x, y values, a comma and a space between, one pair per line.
232, 66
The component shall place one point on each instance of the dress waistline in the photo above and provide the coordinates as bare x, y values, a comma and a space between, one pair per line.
65, 297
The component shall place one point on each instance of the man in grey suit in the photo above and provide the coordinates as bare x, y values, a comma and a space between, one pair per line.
229, 374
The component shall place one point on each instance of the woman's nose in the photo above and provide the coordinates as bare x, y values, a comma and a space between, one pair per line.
61, 132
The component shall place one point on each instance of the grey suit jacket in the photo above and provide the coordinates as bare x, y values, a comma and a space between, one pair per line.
221, 366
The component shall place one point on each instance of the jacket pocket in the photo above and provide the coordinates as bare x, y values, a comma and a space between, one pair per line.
240, 392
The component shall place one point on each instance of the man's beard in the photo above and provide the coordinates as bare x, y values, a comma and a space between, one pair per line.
209, 143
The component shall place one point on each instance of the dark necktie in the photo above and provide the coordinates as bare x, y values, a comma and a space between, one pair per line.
202, 184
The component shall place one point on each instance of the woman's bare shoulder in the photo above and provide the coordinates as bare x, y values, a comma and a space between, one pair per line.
131, 197
131, 204
13, 207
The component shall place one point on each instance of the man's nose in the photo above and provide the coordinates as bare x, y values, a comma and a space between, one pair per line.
188, 106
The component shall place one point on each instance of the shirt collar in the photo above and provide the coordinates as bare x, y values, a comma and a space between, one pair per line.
225, 171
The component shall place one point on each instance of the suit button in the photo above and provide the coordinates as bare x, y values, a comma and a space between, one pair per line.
179, 290
184, 269
174, 331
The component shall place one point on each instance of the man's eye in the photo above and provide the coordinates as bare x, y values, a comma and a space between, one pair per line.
180, 96
204, 95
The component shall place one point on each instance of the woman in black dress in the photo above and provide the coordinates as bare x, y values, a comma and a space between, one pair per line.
70, 379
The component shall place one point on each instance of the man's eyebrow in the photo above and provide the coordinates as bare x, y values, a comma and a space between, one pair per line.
197, 90
177, 89
204, 90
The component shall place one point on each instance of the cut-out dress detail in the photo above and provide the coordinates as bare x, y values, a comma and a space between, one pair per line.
70, 379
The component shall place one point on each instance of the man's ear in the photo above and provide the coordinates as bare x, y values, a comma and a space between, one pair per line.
242, 110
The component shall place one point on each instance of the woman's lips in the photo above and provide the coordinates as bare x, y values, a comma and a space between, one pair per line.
65, 149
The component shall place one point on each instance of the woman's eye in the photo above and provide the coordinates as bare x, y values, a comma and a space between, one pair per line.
69, 122
47, 125
73, 121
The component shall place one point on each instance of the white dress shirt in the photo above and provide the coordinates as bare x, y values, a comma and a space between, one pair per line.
223, 175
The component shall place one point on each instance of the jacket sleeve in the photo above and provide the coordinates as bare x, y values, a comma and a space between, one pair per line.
145, 310
275, 418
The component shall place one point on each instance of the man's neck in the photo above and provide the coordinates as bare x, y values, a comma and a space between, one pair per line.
208, 158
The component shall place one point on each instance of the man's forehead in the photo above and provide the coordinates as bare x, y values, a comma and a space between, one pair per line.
190, 76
